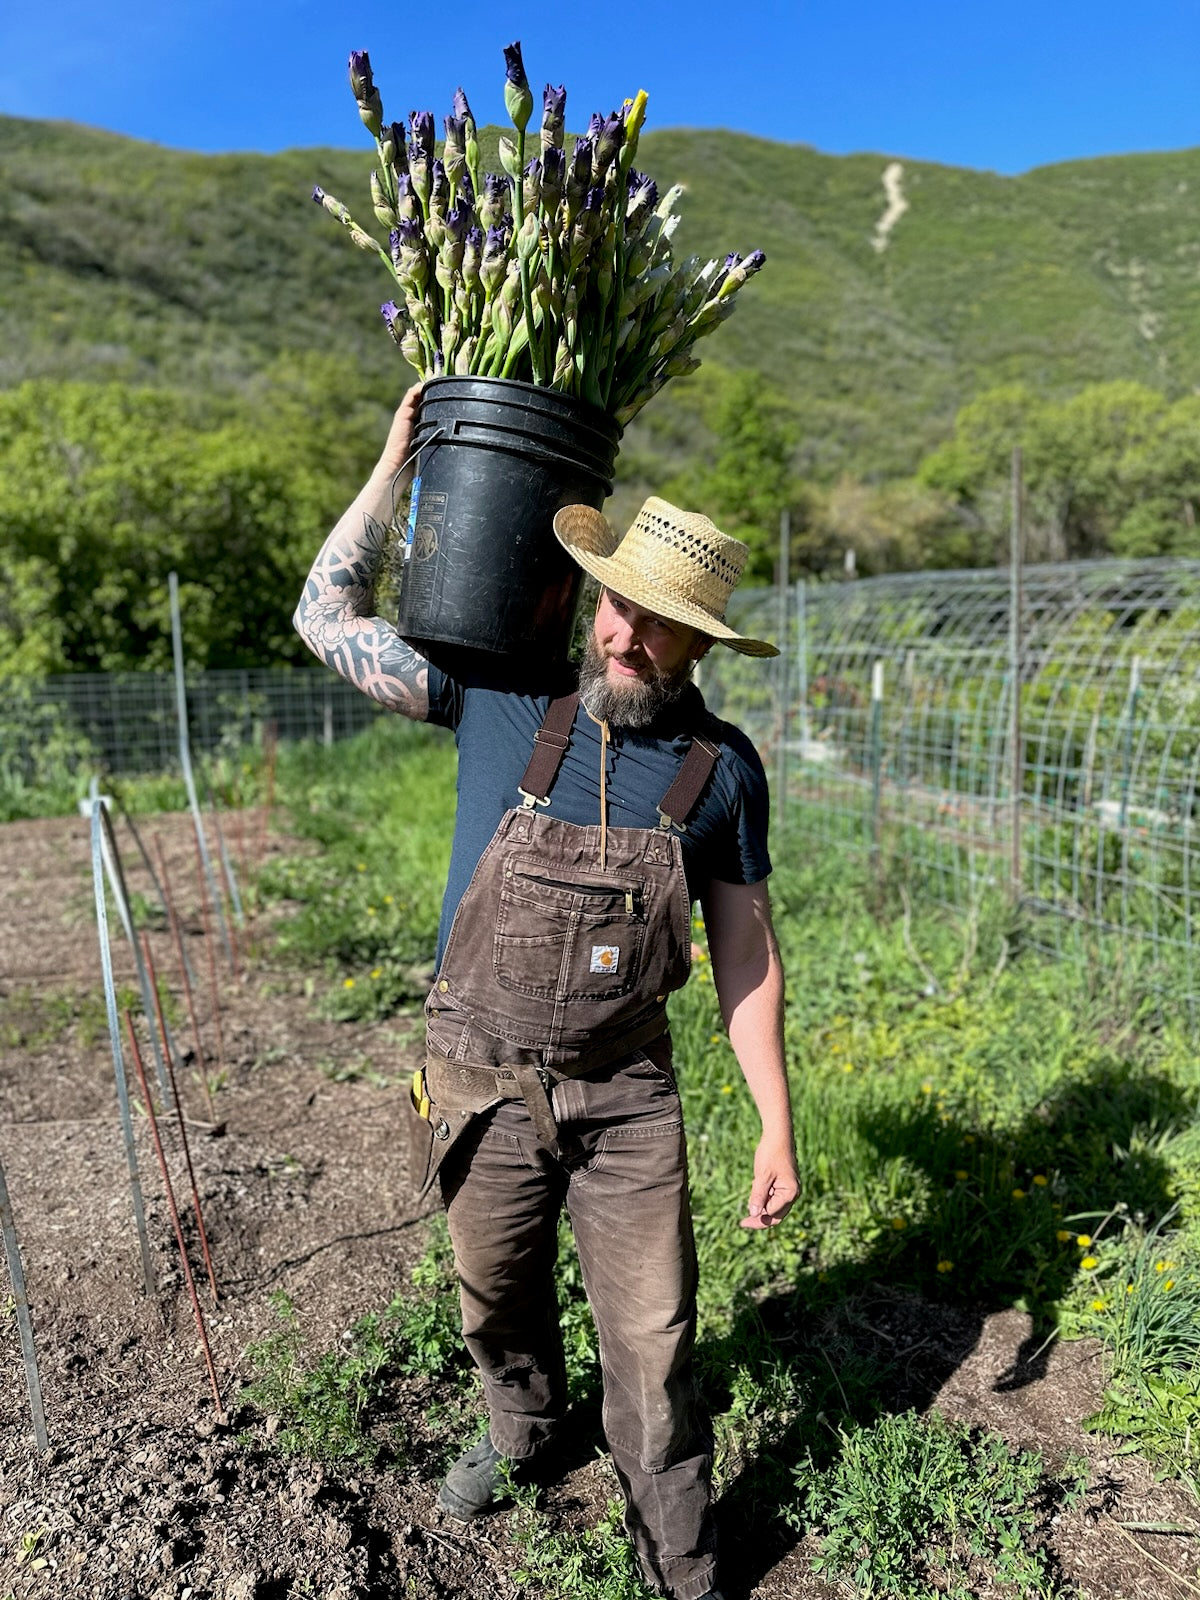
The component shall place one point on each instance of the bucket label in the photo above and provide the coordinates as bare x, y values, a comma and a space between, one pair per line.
605, 958
427, 528
414, 501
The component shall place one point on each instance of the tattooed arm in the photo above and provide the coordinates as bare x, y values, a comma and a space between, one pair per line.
335, 617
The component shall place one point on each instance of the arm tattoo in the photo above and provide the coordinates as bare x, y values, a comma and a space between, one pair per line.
335, 619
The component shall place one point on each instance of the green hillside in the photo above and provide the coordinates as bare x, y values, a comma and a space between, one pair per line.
128, 260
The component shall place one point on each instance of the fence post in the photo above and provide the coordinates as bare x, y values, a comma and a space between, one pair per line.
876, 763
1015, 644
1135, 688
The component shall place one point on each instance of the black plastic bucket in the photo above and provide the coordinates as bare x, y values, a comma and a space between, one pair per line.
486, 584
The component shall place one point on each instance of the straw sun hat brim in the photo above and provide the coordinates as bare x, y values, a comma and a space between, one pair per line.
589, 539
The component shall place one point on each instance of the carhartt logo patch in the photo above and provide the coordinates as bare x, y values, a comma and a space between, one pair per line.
605, 957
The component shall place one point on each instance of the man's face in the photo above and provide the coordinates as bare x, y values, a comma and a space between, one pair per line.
636, 663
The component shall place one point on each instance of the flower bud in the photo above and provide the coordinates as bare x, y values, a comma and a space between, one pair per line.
385, 212
370, 106
393, 147
579, 178
454, 150
531, 186
608, 143
413, 350
421, 135
509, 158
554, 170
518, 97
408, 207
494, 201
554, 109
494, 264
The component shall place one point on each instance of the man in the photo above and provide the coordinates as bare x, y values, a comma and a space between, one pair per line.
589, 818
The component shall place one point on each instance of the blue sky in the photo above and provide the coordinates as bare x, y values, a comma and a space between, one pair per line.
972, 83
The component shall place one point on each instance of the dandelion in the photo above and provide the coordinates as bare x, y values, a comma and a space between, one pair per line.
1083, 1240
1170, 1284
1040, 1180
926, 1088
1128, 1288
726, 1088
714, 1038
387, 899
899, 1223
701, 956
1018, 1194
347, 983
945, 1266
377, 972
1099, 1305
362, 866
962, 1175
847, 1066
1090, 1262
968, 1138
1063, 1235
371, 912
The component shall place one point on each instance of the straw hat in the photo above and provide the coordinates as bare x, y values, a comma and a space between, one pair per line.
674, 563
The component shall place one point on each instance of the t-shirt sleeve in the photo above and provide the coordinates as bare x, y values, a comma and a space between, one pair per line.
744, 857
445, 699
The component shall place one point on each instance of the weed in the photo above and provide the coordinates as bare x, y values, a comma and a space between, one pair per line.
920, 1507
595, 1564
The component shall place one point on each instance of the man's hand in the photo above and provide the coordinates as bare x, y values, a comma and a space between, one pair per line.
775, 1187
399, 440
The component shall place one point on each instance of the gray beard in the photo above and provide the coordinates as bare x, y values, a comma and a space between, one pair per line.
635, 704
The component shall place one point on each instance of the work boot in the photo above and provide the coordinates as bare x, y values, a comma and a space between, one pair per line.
473, 1480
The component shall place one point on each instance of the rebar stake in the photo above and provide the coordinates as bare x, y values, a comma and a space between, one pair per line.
24, 1320
170, 1193
185, 977
212, 963
183, 1138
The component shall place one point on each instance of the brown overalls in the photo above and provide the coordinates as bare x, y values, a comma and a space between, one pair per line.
549, 1014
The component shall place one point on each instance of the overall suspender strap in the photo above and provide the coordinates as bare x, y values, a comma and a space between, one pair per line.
680, 799
549, 747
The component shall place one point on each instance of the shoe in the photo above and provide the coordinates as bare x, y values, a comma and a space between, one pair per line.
473, 1481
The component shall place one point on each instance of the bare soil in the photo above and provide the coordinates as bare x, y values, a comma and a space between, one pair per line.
147, 1492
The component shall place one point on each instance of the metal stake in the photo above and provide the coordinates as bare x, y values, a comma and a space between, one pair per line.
24, 1320
1016, 752
170, 1193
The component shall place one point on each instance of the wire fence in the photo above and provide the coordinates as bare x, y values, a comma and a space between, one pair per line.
1035, 730
893, 731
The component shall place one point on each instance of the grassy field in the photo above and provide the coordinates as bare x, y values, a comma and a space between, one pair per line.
980, 1133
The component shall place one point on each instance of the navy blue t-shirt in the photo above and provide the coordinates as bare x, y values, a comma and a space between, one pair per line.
726, 835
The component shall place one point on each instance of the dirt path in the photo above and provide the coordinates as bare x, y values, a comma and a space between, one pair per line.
142, 1493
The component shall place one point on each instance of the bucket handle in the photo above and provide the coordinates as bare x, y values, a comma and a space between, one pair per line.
405, 464
532, 448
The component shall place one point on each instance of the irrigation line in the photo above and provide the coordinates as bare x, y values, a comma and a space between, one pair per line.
116, 878
24, 1320
114, 1035
170, 1193
185, 753
186, 979
183, 1138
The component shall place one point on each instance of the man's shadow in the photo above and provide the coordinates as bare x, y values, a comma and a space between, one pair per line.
883, 1335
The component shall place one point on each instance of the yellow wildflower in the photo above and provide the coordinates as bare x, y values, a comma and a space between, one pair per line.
1040, 1180
1099, 1305
1089, 1262
347, 983
726, 1088
926, 1088
377, 972
362, 866
847, 1066
1083, 1240
899, 1223
945, 1266
1018, 1194
371, 911
1063, 1235
1128, 1288
968, 1138
962, 1174
387, 899
1170, 1284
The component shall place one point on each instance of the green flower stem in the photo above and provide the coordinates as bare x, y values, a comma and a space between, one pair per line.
526, 296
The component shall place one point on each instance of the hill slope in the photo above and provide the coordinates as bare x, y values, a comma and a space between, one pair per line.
125, 259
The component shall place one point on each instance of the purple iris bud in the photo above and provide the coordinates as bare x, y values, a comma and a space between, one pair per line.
318, 194
609, 141
439, 188
554, 106
731, 261
518, 96
458, 221
595, 199
407, 204
370, 106
421, 133
754, 260
595, 125
410, 231
461, 108
494, 203
391, 312
466, 189
579, 178
394, 148
554, 172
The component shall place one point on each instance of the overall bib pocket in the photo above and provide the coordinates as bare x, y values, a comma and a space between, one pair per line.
563, 934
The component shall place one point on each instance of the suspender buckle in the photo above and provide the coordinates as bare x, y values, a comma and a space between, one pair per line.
666, 822
556, 741
532, 800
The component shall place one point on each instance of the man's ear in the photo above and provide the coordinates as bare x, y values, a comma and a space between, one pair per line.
701, 647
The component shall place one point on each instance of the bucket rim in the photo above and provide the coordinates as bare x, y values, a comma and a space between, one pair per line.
604, 422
